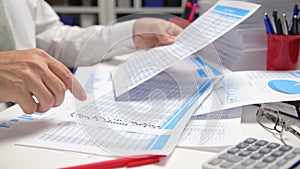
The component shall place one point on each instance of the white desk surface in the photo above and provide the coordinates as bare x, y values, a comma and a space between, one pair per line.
15, 157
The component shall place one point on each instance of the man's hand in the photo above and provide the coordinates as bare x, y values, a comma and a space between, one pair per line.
28, 73
153, 32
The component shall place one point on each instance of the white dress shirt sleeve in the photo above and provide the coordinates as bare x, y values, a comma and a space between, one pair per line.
93, 43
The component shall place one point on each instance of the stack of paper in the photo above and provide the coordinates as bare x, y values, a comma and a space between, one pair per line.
245, 47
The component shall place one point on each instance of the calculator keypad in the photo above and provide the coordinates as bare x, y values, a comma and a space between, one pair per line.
254, 153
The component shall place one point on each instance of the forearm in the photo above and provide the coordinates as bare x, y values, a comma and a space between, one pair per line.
75, 46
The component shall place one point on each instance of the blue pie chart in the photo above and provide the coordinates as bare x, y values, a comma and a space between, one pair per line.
285, 86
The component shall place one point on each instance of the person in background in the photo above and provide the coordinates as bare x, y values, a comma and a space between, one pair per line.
33, 69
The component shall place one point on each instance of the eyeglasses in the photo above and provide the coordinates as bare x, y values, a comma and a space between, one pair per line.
271, 119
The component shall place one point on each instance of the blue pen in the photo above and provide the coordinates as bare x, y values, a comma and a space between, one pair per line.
296, 10
72, 70
268, 24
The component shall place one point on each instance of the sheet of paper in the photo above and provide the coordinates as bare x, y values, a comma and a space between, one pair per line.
253, 87
221, 18
212, 130
150, 121
14, 117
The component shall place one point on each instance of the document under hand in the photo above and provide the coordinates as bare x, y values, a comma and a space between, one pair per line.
221, 18
149, 121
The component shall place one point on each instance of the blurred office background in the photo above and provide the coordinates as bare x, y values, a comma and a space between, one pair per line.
243, 48
89, 12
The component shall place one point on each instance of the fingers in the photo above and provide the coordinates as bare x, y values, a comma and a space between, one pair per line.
164, 38
56, 87
43, 92
174, 30
45, 98
153, 32
27, 103
35, 80
167, 32
68, 79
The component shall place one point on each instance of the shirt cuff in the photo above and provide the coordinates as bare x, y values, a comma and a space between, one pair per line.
123, 33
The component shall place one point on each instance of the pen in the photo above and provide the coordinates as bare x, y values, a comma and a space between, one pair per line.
296, 10
120, 162
298, 25
193, 11
285, 26
277, 23
268, 24
275, 15
294, 26
72, 70
274, 22
187, 9
279, 27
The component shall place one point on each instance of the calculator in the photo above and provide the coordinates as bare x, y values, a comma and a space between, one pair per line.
255, 153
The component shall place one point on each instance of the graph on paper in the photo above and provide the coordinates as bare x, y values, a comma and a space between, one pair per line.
221, 18
135, 125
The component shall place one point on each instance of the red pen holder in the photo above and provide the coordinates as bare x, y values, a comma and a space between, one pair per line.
283, 52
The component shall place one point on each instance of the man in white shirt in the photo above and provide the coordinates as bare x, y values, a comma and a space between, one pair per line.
43, 42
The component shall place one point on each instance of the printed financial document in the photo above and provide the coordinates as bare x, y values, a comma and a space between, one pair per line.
221, 18
252, 87
149, 121
212, 131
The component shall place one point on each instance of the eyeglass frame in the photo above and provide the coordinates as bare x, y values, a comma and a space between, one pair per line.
278, 121
297, 107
